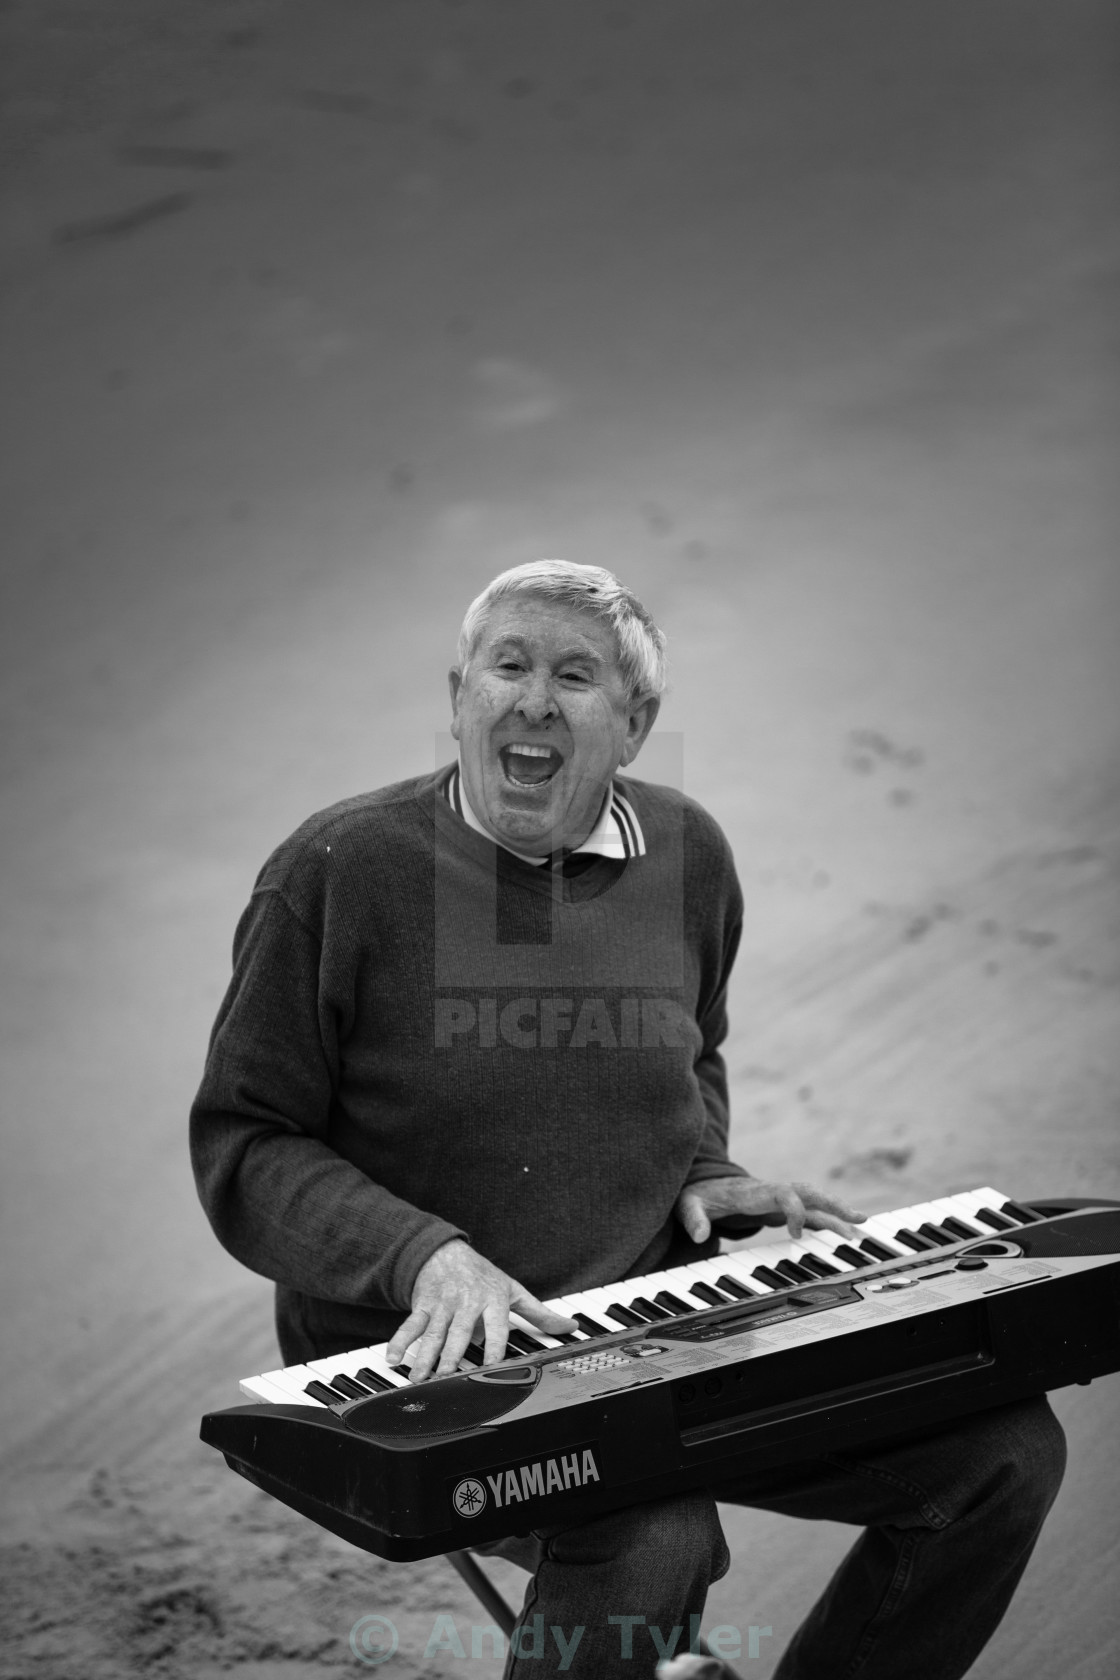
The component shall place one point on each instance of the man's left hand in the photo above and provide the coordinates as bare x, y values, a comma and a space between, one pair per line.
796, 1205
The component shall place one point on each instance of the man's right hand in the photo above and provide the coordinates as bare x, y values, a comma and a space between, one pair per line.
455, 1289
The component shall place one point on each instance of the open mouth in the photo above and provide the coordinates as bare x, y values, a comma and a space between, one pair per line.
529, 766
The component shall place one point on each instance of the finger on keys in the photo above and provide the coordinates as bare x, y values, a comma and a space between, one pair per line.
430, 1346
459, 1332
828, 1213
791, 1206
545, 1318
412, 1328
495, 1321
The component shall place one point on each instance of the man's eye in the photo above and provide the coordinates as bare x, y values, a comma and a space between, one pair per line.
574, 676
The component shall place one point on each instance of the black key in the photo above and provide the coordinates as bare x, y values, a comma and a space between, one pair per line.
353, 1390
960, 1228
474, 1353
935, 1234
623, 1316
820, 1268
734, 1287
913, 1240
1025, 1215
592, 1327
767, 1274
523, 1342
644, 1310
795, 1273
568, 1336
880, 1250
705, 1292
323, 1391
676, 1306
994, 1220
851, 1255
654, 1312
379, 1384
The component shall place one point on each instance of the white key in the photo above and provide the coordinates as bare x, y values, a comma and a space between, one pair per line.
260, 1388
571, 1304
833, 1239
812, 1244
678, 1281
710, 1271
937, 1212
741, 1264
723, 1265
883, 1226
293, 1380
761, 1254
970, 1200
951, 1206
516, 1322
614, 1295
348, 1365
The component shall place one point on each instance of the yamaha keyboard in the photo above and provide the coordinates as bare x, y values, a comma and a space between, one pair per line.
772, 1353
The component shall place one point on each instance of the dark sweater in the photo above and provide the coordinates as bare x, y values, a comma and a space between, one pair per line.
426, 1038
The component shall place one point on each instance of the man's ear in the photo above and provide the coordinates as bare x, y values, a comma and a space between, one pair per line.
454, 683
641, 721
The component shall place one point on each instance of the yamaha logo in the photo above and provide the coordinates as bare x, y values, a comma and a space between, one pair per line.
515, 1484
469, 1497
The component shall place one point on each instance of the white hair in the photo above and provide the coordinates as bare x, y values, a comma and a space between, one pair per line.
641, 645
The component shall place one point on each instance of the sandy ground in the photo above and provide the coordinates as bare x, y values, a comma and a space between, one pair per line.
801, 317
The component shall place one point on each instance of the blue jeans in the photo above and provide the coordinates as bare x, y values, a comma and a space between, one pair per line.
950, 1519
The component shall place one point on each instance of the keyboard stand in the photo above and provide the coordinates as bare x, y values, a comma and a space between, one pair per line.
487, 1594
483, 1589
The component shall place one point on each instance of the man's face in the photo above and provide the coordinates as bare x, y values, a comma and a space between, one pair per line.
543, 720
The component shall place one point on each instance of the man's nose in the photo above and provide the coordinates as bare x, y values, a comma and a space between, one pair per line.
536, 701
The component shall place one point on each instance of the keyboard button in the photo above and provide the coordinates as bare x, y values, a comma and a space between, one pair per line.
958, 1228
622, 1315
732, 1286
371, 1379
678, 1308
323, 1392
654, 1313
523, 1343
350, 1386
705, 1292
911, 1239
795, 1273
261, 1389
880, 1250
766, 1274
1016, 1210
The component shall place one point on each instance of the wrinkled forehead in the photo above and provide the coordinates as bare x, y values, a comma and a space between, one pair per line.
548, 628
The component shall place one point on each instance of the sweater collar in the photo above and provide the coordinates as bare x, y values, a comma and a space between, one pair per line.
617, 832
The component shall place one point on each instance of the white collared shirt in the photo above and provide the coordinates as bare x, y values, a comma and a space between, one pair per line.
617, 832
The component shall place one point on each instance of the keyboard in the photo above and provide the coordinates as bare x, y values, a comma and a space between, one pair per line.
774, 1352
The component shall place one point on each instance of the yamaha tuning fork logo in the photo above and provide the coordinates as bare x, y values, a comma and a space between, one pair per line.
469, 1497
535, 1479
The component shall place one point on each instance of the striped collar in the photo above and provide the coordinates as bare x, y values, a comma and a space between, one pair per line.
617, 832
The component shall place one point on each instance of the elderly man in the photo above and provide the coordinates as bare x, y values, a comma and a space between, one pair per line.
469, 1061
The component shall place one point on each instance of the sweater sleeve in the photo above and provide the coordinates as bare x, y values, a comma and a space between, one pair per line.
714, 891
710, 1160
279, 1198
